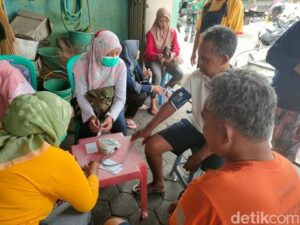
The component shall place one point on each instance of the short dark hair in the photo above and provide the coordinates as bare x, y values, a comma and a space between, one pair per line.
223, 38
245, 100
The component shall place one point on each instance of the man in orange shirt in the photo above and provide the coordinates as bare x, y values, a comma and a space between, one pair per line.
256, 185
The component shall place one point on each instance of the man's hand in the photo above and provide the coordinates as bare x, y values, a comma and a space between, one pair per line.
297, 68
92, 169
172, 207
107, 124
192, 163
193, 59
94, 124
156, 89
143, 133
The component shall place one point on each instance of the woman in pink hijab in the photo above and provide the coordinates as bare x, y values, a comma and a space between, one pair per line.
96, 69
12, 84
162, 53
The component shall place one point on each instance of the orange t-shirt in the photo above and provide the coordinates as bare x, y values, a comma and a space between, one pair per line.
249, 192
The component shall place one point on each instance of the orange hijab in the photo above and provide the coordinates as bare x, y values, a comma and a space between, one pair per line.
162, 37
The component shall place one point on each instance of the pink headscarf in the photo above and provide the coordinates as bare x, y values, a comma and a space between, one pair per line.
162, 37
89, 66
11, 85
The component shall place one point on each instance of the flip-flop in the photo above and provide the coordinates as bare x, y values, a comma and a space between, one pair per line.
131, 124
144, 107
136, 189
153, 111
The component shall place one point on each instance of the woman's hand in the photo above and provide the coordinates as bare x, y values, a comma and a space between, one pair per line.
173, 54
160, 58
92, 169
147, 73
156, 89
168, 62
107, 124
94, 124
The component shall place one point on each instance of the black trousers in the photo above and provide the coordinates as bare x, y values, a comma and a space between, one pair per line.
133, 102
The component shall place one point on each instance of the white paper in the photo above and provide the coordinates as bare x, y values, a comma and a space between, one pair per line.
91, 148
112, 169
109, 162
111, 166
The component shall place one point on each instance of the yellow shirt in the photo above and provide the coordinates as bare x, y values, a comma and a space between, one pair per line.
235, 14
29, 190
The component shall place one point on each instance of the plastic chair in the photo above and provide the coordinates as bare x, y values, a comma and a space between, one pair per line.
212, 162
15, 59
70, 65
178, 162
165, 78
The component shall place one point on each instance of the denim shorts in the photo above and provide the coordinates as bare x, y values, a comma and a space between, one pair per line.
182, 136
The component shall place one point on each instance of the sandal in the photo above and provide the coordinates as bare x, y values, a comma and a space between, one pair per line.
144, 107
131, 124
153, 111
136, 189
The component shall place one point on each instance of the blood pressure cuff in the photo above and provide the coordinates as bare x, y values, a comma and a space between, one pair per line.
179, 98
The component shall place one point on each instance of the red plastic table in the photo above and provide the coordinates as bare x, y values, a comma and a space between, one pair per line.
134, 166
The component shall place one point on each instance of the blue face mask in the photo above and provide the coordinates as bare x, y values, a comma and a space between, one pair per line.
110, 61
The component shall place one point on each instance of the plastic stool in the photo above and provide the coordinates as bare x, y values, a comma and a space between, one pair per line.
165, 78
212, 162
178, 162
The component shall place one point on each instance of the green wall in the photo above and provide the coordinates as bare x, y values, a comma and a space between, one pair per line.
174, 13
105, 14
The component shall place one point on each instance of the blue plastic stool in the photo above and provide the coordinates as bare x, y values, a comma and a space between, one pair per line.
178, 162
212, 162
165, 78
15, 59
71, 62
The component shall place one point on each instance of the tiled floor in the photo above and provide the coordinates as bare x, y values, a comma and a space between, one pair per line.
118, 200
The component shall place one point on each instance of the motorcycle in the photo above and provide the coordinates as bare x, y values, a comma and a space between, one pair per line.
281, 16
